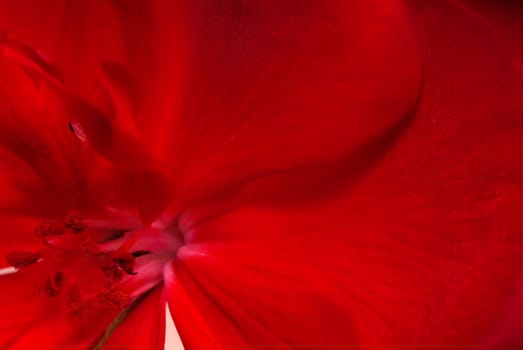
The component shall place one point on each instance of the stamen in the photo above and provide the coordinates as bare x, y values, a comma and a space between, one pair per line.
73, 221
78, 307
124, 260
113, 297
112, 271
80, 247
54, 283
20, 259
49, 228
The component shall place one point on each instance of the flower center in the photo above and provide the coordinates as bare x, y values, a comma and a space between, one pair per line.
94, 264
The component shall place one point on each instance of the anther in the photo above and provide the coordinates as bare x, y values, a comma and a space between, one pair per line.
49, 228
53, 284
112, 271
20, 259
73, 221
113, 297
124, 260
78, 307
121, 259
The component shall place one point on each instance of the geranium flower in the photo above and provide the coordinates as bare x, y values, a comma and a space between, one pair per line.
283, 174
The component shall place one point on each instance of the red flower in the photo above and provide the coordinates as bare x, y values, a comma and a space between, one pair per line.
284, 174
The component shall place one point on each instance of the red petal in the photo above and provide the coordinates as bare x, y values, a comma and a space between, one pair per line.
504, 18
80, 38
240, 306
37, 22
34, 128
272, 86
17, 235
508, 334
144, 327
22, 190
156, 56
423, 251
32, 320
21, 306
90, 35
201, 321
38, 133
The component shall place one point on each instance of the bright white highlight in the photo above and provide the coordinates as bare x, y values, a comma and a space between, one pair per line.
7, 270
